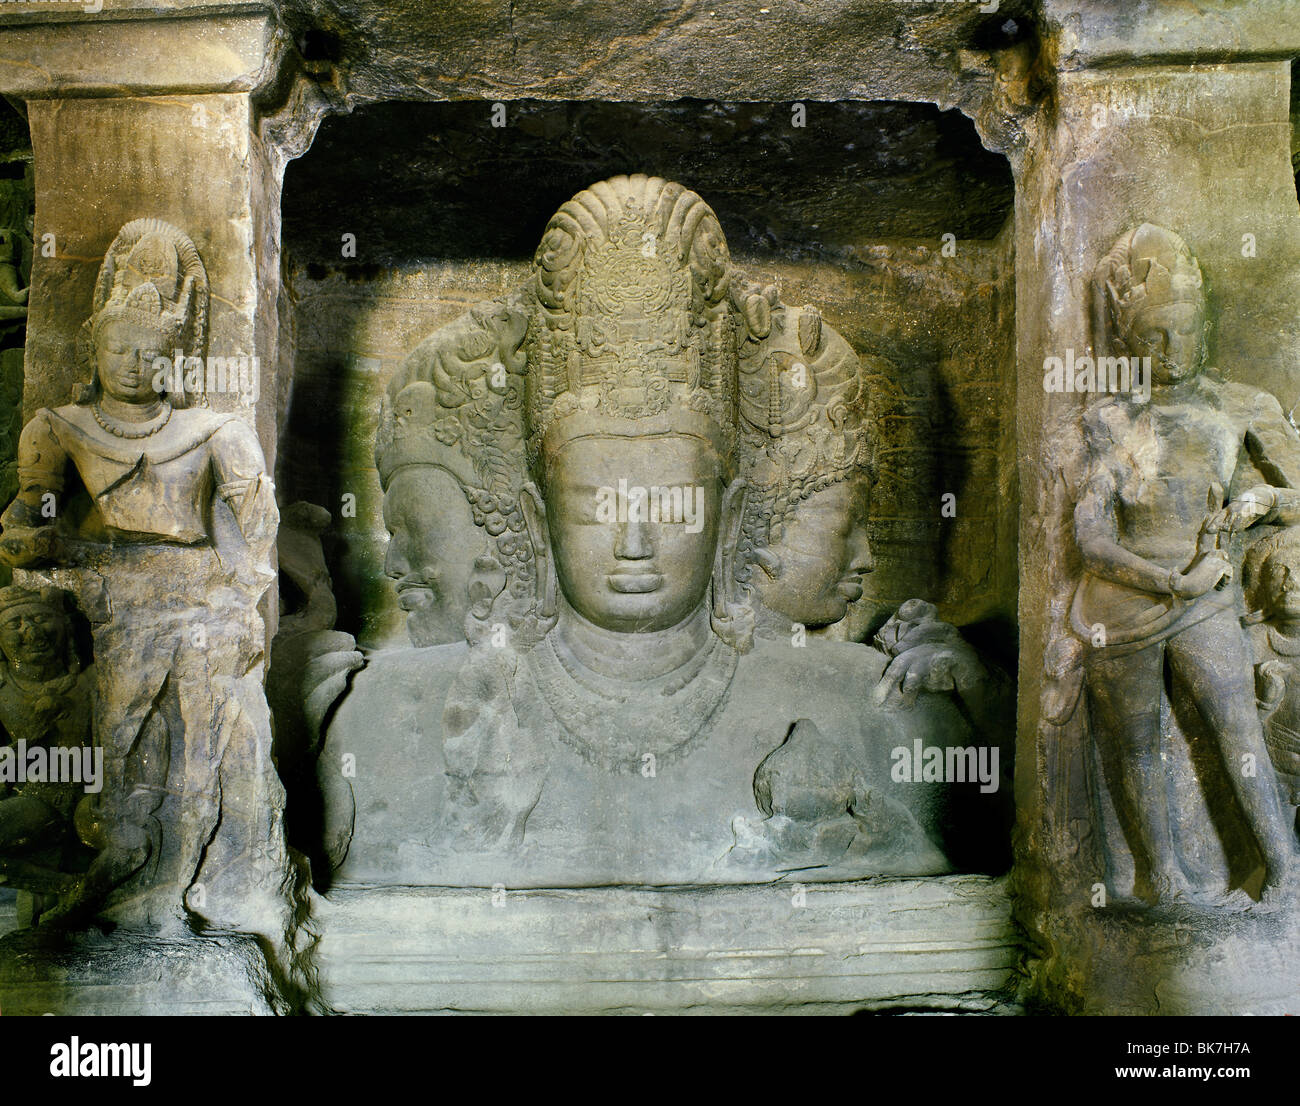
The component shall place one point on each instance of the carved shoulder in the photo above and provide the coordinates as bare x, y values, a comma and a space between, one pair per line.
1105, 424
41, 452
236, 452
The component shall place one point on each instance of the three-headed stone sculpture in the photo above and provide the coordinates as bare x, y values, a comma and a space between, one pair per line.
608, 716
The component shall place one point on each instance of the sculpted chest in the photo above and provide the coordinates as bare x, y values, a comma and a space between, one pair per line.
157, 486
1177, 463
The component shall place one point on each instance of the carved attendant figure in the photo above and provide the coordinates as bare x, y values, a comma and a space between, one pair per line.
1158, 599
174, 492
46, 698
1272, 582
150, 461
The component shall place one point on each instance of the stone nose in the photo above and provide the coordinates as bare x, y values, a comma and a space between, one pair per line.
396, 564
861, 559
633, 542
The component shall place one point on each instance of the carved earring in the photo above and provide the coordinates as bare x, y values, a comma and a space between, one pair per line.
530, 502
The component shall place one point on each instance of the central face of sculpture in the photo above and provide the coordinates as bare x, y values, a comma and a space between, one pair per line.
634, 525
32, 635
124, 356
630, 404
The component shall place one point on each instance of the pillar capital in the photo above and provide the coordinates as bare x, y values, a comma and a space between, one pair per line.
68, 50
1101, 34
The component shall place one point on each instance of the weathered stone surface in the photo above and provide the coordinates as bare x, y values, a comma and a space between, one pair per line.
1094, 34
218, 51
47, 763
1123, 144
723, 49
889, 945
132, 975
1175, 964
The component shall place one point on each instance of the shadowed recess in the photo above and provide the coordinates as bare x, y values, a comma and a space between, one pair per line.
419, 181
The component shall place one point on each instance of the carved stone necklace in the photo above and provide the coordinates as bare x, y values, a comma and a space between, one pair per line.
613, 724
133, 430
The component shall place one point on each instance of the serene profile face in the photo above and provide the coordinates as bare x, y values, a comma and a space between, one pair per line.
124, 357
621, 568
1172, 336
1281, 589
32, 635
824, 554
432, 551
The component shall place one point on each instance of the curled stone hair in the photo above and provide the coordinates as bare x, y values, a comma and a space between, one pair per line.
633, 320
803, 407
1149, 266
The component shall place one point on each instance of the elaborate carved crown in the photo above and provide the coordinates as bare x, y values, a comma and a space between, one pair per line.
456, 402
409, 434
633, 321
152, 275
803, 402
1148, 267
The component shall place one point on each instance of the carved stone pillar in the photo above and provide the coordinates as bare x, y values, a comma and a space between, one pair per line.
188, 118
168, 117
1131, 136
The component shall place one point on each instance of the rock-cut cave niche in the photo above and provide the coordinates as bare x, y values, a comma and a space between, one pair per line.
890, 216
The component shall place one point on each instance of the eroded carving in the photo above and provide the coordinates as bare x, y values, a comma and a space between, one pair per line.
1159, 604
608, 711
1271, 578
47, 763
158, 514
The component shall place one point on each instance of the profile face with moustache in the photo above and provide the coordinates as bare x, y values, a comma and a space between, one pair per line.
432, 551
